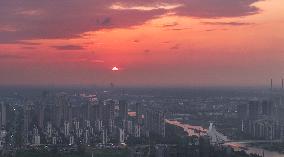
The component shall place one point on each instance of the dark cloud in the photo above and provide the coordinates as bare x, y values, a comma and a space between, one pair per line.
103, 22
205, 8
179, 29
34, 19
106, 21
136, 41
218, 8
28, 43
171, 24
175, 47
68, 47
211, 30
147, 51
28, 47
228, 23
166, 42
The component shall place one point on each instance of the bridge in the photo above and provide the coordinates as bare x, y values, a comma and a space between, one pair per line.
218, 138
215, 136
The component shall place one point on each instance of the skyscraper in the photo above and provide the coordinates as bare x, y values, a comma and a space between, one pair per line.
138, 110
3, 115
155, 122
27, 120
123, 113
108, 114
123, 109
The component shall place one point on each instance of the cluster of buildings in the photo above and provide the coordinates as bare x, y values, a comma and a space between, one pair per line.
263, 118
71, 120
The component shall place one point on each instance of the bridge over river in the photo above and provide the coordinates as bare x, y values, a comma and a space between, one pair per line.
221, 139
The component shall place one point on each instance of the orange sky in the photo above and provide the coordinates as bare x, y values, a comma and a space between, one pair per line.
160, 43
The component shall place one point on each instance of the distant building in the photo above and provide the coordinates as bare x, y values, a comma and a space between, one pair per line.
155, 121
36, 140
3, 115
121, 135
138, 109
66, 128
108, 115
27, 121
261, 119
123, 110
137, 132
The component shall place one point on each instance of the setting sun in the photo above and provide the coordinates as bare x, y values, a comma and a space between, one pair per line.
114, 69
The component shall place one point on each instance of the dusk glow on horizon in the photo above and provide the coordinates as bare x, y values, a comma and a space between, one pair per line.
161, 43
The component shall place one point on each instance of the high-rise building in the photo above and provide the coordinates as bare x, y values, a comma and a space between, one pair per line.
108, 114
123, 113
130, 127
138, 109
49, 129
63, 110
3, 115
71, 140
97, 106
77, 125
41, 116
121, 135
123, 110
27, 120
54, 140
155, 121
104, 136
98, 125
66, 128
137, 132
36, 140
86, 138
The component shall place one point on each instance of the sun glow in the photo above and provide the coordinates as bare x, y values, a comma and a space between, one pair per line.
114, 69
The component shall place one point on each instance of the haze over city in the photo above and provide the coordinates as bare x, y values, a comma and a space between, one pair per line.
161, 43
141, 78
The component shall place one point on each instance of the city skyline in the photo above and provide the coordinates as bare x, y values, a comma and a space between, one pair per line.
148, 43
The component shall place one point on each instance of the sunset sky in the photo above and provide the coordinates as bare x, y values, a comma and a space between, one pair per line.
151, 42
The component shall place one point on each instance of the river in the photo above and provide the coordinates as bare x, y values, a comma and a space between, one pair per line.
255, 150
199, 131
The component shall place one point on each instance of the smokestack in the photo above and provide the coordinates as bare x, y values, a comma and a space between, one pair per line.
282, 81
271, 84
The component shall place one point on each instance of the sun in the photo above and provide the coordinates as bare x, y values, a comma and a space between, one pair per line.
114, 69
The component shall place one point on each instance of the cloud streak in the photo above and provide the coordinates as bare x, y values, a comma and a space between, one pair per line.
68, 47
228, 23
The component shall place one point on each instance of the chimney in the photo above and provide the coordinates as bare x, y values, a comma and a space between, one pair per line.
282, 81
271, 84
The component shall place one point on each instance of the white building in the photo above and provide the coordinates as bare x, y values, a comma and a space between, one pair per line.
36, 140
66, 128
121, 135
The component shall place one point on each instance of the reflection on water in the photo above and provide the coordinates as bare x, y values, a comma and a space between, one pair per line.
190, 129
260, 151
199, 131
238, 147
